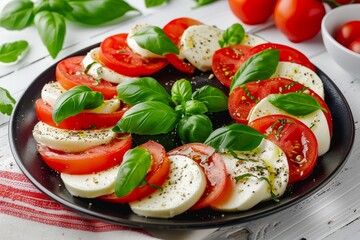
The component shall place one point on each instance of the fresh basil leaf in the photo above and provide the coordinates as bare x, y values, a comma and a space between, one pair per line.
51, 28
297, 104
74, 101
234, 137
98, 12
155, 40
141, 90
195, 128
132, 171
214, 99
59, 6
154, 3
148, 118
260, 66
181, 91
193, 107
200, 3
11, 52
6, 101
17, 15
232, 35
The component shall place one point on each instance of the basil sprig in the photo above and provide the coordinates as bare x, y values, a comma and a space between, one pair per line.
11, 52
234, 137
214, 99
194, 128
132, 171
6, 101
297, 104
59, 6
155, 40
74, 101
232, 35
260, 66
181, 91
154, 3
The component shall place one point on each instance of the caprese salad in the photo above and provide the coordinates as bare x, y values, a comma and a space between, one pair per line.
90, 116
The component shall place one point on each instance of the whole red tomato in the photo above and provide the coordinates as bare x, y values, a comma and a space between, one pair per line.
348, 32
355, 45
252, 11
299, 20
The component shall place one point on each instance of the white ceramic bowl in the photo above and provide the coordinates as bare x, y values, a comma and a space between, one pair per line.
333, 20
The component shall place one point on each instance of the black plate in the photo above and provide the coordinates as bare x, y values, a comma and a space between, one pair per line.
23, 148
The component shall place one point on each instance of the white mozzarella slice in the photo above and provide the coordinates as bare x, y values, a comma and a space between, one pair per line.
108, 106
252, 40
71, 140
91, 185
131, 42
97, 70
185, 185
198, 44
250, 189
301, 74
316, 121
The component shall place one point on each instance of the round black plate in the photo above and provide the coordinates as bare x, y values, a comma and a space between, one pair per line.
24, 150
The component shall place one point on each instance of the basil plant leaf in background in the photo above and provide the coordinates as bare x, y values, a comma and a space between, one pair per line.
74, 101
154, 3
12, 52
194, 128
59, 6
7, 102
232, 35
51, 28
200, 3
17, 15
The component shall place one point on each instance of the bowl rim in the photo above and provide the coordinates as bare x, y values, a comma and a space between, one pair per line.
331, 38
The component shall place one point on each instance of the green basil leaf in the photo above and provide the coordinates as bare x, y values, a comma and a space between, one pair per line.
193, 107
155, 40
181, 91
200, 3
214, 99
195, 128
232, 35
98, 12
132, 171
17, 15
260, 66
148, 118
235, 137
74, 101
6, 101
144, 89
297, 104
154, 3
11, 52
59, 6
51, 28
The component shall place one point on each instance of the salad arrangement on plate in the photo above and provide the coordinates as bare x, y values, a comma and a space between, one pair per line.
90, 117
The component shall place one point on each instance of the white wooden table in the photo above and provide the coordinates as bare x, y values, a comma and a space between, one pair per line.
331, 213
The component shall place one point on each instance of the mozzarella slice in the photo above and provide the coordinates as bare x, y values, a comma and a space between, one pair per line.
198, 44
91, 185
316, 121
248, 191
252, 40
71, 140
301, 74
97, 70
183, 188
131, 42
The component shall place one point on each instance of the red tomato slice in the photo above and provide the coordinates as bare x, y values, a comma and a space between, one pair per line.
174, 30
226, 61
244, 98
160, 168
70, 73
92, 160
213, 167
117, 55
287, 54
295, 139
81, 121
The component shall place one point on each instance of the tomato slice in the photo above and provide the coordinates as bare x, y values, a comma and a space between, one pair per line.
81, 121
287, 54
174, 30
92, 160
244, 98
70, 73
157, 175
117, 55
213, 167
295, 139
226, 61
